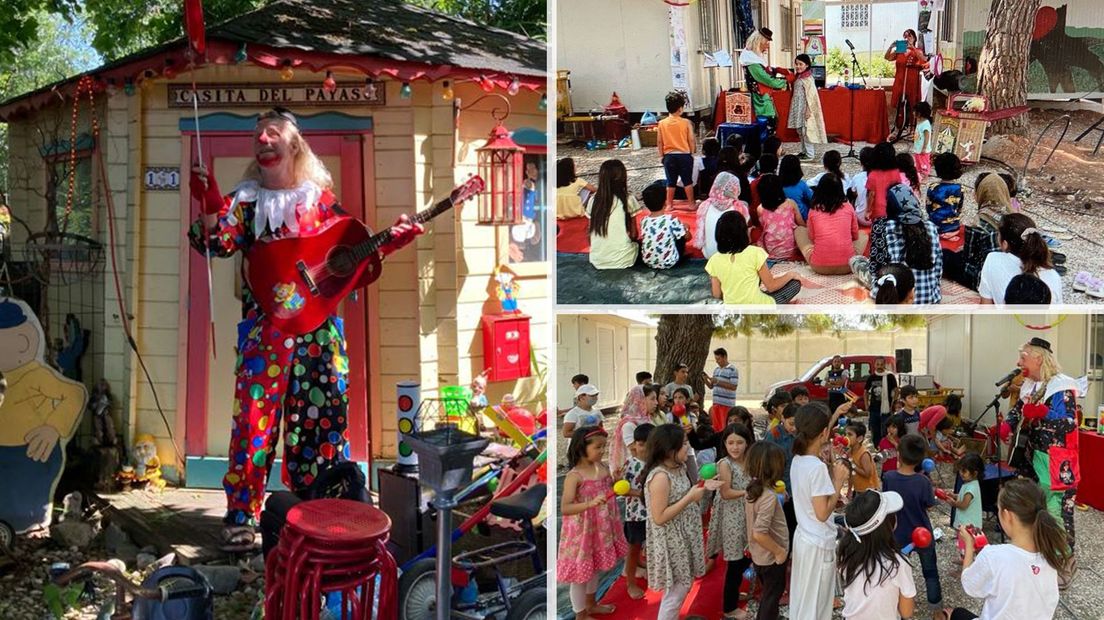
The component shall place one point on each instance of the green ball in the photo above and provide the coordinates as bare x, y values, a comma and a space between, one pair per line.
707, 471
492, 485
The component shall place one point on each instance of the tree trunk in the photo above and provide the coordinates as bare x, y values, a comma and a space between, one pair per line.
1002, 68
683, 339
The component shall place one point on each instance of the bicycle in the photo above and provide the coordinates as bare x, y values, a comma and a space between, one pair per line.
524, 600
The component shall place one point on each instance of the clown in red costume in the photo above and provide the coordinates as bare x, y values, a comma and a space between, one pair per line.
299, 379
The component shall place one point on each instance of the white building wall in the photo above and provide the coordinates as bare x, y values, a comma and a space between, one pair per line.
887, 22
973, 352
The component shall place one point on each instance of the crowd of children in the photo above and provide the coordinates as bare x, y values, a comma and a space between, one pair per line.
875, 224
772, 515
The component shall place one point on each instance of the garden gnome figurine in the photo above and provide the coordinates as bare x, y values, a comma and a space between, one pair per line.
38, 417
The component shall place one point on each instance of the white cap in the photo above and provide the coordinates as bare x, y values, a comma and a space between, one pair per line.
587, 389
889, 503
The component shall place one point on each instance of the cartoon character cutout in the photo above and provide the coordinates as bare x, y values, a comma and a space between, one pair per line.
507, 290
38, 416
945, 143
1065, 473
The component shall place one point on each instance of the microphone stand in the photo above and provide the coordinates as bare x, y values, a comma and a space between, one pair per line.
851, 138
995, 405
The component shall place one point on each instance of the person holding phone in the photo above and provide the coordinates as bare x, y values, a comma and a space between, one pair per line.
906, 81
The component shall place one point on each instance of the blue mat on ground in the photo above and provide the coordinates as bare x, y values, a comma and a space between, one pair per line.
577, 282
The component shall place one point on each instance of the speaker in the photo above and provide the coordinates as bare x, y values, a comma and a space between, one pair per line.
904, 360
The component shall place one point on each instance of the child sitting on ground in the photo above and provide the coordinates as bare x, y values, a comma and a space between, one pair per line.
738, 268
1027, 289
882, 176
896, 285
945, 197
795, 187
723, 197
832, 236
778, 217
943, 441
675, 143
877, 580
569, 190
662, 236
857, 191
833, 164
909, 175
611, 228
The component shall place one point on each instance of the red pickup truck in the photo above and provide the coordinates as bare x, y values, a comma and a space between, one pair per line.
859, 367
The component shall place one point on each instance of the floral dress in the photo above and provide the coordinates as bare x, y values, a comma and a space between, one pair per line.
676, 553
728, 527
778, 231
592, 541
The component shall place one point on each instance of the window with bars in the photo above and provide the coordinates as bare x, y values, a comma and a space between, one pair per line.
854, 16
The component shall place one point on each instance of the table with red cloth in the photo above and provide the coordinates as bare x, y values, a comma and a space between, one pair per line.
871, 114
1091, 450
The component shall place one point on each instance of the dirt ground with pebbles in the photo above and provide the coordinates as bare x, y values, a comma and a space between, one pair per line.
1065, 197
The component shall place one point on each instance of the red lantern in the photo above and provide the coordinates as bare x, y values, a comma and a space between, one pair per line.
501, 166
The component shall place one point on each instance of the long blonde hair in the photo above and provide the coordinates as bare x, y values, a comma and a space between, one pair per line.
306, 166
1049, 367
755, 41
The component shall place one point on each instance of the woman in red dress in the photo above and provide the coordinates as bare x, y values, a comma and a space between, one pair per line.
906, 81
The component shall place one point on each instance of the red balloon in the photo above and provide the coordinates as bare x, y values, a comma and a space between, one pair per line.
921, 537
679, 410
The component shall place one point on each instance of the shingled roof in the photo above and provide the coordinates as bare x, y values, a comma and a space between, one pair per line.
385, 30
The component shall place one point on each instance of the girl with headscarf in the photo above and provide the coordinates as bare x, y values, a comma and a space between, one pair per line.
1045, 444
904, 236
641, 406
723, 196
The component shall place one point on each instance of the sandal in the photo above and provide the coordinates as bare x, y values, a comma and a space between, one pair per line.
235, 538
1083, 281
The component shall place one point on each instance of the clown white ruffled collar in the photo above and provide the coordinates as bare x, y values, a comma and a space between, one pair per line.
276, 207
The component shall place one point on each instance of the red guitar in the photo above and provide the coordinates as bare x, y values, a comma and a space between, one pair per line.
298, 281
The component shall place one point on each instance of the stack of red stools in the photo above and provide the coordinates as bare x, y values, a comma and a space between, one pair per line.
331, 545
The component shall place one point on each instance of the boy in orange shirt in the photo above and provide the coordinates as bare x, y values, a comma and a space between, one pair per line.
675, 141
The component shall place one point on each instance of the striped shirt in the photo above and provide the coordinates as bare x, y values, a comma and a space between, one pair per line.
725, 396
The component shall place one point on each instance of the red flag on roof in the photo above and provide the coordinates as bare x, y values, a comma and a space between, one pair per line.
193, 25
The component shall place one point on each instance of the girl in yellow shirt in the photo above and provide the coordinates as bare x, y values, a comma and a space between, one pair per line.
738, 268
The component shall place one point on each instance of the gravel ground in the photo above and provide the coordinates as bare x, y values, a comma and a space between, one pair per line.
1067, 195
1082, 601
21, 587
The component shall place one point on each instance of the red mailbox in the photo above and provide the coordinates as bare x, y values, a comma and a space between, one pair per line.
506, 346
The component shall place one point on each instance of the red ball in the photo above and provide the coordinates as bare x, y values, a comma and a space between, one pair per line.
921, 537
678, 409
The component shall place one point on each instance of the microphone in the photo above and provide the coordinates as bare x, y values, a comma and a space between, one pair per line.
1010, 376
848, 42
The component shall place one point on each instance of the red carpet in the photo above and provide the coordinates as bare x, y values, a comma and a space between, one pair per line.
705, 598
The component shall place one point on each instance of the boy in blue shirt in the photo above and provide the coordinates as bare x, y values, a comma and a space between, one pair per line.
918, 495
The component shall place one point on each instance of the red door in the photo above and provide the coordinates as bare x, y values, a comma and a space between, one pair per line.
209, 401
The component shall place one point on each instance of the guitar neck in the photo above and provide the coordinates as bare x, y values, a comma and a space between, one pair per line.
375, 242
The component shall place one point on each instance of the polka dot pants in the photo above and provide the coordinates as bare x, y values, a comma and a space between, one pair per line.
300, 379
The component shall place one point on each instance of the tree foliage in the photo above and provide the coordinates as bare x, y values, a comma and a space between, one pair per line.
527, 17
